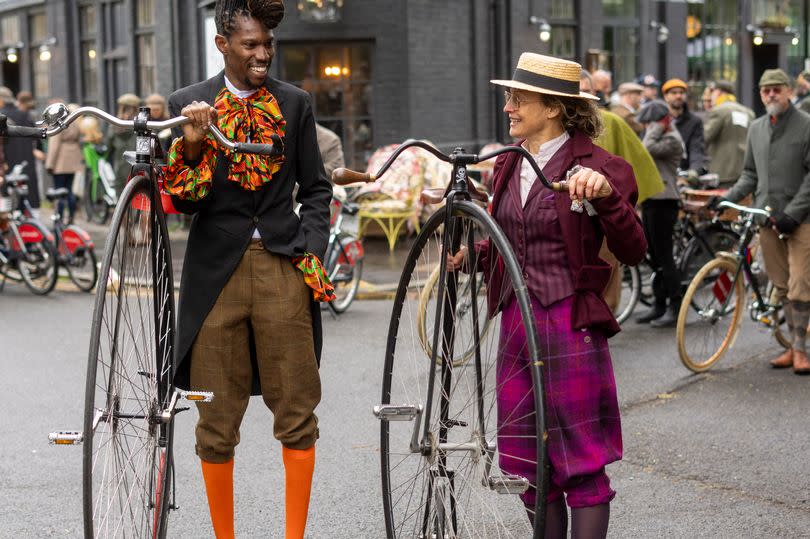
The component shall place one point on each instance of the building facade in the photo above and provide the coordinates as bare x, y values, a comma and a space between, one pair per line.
381, 71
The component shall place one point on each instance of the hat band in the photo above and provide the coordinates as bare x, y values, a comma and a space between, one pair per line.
545, 82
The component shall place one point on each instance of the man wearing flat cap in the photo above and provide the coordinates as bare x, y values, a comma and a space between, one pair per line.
650, 85
776, 170
689, 126
629, 102
725, 133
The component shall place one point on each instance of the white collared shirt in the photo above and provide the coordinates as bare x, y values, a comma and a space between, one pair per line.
543, 156
242, 94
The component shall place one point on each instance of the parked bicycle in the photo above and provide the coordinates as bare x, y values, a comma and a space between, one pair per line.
712, 308
344, 256
27, 252
75, 249
99, 184
696, 240
130, 400
441, 419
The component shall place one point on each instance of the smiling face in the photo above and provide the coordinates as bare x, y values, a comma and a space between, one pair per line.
248, 53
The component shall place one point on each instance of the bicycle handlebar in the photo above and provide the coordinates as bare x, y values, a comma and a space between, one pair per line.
744, 209
56, 119
344, 176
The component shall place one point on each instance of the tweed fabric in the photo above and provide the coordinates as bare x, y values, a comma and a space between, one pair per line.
265, 298
582, 410
786, 262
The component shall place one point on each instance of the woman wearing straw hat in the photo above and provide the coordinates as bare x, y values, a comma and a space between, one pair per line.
557, 237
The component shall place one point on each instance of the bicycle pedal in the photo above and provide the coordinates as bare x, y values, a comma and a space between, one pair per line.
508, 484
391, 412
66, 437
196, 396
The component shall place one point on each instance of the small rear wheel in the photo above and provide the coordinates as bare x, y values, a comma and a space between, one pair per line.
345, 273
38, 264
82, 267
127, 442
630, 294
710, 314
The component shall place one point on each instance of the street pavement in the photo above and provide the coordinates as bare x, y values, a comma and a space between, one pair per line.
722, 454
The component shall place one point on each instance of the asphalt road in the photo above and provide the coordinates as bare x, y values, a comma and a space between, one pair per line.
724, 454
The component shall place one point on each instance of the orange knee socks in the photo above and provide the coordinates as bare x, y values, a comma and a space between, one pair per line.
299, 465
219, 488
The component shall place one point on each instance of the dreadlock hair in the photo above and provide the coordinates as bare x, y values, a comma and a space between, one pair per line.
268, 12
576, 114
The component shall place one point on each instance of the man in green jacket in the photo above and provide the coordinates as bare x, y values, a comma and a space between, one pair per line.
725, 132
776, 170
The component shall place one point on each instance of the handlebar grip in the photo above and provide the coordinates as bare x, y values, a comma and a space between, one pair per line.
20, 130
270, 150
559, 186
345, 176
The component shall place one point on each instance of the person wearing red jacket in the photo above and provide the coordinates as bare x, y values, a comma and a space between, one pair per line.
557, 245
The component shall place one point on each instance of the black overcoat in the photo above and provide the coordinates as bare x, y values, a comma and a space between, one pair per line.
19, 149
223, 222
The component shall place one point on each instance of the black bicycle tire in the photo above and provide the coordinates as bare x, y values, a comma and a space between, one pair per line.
635, 292
357, 275
136, 185
52, 253
90, 252
475, 213
694, 244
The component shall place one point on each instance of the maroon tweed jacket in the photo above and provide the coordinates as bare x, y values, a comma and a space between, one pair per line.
616, 220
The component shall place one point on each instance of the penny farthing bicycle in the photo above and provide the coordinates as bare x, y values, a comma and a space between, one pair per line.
130, 399
462, 446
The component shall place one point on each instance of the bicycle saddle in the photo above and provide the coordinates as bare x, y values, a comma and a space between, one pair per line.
55, 194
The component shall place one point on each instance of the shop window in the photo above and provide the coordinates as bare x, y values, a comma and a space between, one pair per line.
620, 8
563, 42
712, 48
338, 76
621, 45
88, 28
40, 70
146, 54
10, 29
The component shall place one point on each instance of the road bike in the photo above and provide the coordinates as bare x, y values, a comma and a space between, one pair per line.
130, 399
27, 251
712, 308
448, 462
344, 256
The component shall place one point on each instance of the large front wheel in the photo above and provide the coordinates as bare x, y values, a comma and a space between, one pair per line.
462, 443
127, 442
710, 314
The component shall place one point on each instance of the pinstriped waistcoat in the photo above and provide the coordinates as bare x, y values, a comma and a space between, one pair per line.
534, 232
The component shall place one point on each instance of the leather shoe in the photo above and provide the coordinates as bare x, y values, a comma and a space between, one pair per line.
653, 313
784, 360
801, 365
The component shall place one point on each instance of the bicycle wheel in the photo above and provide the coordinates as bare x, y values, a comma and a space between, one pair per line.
127, 443
427, 307
95, 207
460, 450
710, 314
78, 257
38, 264
345, 271
630, 294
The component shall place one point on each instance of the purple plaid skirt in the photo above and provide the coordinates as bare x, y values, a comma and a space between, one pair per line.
582, 411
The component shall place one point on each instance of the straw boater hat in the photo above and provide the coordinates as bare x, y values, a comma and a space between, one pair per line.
546, 75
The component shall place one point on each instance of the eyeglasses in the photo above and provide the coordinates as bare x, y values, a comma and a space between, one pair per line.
515, 100
765, 90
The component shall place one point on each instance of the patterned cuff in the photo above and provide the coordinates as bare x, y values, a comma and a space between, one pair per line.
315, 277
189, 183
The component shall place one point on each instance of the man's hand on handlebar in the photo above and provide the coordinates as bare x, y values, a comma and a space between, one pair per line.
784, 223
587, 184
201, 116
714, 204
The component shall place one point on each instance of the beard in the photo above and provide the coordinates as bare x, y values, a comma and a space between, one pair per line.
775, 109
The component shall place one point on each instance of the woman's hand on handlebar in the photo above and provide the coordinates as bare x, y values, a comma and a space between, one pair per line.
454, 262
201, 116
587, 184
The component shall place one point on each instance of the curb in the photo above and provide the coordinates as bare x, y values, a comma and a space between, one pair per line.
373, 291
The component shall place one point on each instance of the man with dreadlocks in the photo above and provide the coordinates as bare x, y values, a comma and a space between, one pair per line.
249, 323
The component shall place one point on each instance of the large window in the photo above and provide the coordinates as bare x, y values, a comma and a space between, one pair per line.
145, 31
562, 18
338, 76
88, 29
40, 69
10, 29
621, 47
712, 48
